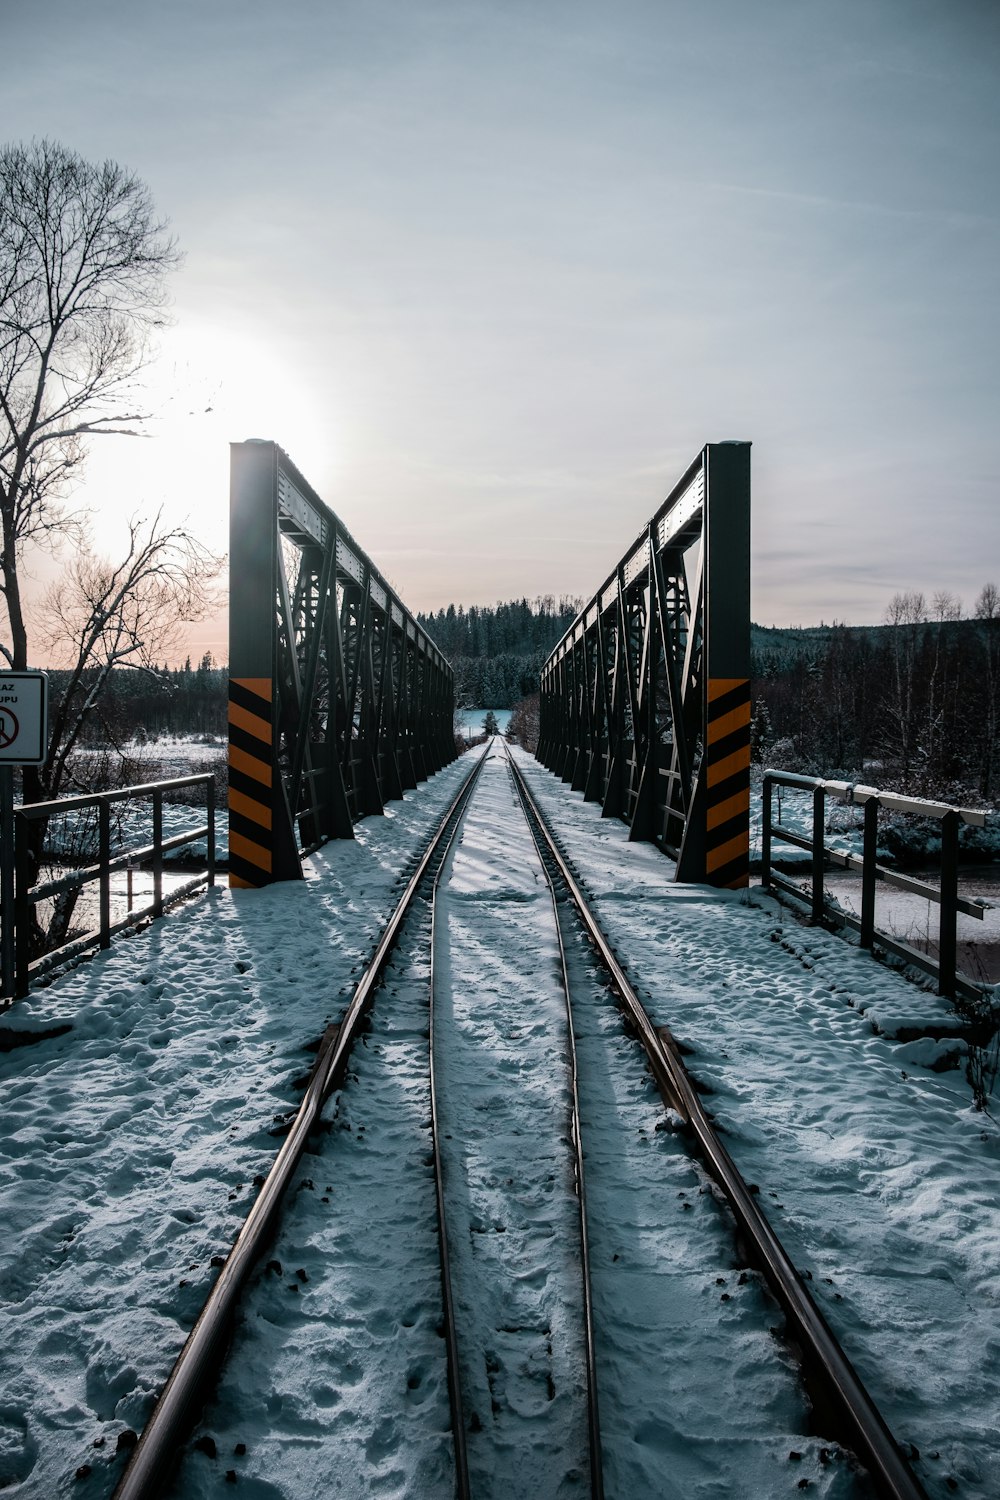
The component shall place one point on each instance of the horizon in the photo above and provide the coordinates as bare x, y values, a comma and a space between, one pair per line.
220, 661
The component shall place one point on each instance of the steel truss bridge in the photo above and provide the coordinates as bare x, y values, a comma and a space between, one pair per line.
645, 702
339, 701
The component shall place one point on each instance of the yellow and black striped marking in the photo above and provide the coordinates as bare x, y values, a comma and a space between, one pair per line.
251, 761
727, 768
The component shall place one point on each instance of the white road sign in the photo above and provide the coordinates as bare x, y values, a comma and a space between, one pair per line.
24, 701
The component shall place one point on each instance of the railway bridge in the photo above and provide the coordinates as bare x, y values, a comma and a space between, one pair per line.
520, 1149
339, 701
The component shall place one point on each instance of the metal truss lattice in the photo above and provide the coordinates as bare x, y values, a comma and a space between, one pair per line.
339, 701
645, 702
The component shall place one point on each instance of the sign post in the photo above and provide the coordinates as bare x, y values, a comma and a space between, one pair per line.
24, 702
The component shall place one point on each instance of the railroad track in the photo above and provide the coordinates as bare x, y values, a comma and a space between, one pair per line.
517, 1353
502, 1370
832, 1380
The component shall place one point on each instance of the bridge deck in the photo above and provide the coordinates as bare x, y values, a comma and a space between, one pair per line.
129, 1145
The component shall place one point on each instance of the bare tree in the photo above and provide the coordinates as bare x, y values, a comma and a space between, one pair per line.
83, 259
524, 723
988, 610
129, 613
83, 266
99, 616
907, 612
947, 606
988, 603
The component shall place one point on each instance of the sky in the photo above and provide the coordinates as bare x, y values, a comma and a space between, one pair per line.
492, 274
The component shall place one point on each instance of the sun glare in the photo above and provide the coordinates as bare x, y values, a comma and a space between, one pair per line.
206, 390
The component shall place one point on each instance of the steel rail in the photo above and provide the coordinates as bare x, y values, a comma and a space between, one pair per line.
593, 1410
462, 1486
866, 1431
155, 1454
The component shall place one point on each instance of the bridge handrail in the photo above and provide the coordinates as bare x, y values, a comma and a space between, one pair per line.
19, 966
945, 894
850, 791
32, 810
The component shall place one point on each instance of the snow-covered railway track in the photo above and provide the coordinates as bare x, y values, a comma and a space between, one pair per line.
509, 1168
848, 1407
155, 1456
520, 1357
353, 1394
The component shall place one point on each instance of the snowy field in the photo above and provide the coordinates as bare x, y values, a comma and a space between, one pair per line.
129, 1147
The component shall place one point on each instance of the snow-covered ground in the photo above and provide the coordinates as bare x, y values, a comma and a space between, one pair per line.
699, 1399
129, 1146
880, 1176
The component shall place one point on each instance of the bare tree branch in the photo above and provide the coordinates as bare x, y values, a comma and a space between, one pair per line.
130, 613
83, 264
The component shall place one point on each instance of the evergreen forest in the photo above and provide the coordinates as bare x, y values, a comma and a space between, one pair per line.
497, 652
914, 702
140, 705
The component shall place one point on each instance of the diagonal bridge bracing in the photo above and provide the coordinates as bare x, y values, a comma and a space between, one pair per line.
338, 700
645, 702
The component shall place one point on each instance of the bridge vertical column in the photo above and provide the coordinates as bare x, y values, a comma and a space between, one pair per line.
716, 844
321, 718
261, 838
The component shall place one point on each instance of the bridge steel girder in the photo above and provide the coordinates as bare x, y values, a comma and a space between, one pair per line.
645, 702
338, 700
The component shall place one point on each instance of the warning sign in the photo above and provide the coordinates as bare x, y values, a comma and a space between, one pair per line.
23, 717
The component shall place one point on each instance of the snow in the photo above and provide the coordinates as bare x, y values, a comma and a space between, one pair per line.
504, 1110
129, 1147
665, 1273
880, 1176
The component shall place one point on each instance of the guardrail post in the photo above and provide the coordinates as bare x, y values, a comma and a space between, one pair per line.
819, 830
22, 932
210, 809
765, 835
157, 853
6, 881
868, 876
947, 932
104, 859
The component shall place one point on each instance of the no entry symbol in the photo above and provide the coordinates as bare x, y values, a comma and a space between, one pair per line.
8, 728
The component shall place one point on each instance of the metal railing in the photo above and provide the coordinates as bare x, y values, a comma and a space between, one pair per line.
20, 966
823, 909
